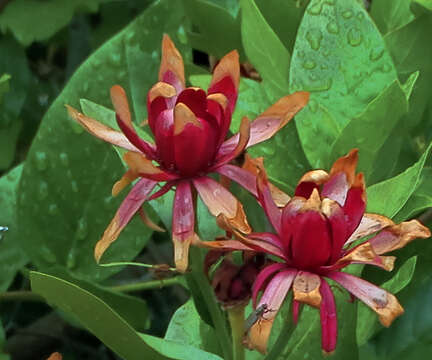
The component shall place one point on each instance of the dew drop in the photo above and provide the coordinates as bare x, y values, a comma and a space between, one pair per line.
347, 14
314, 38
131, 38
85, 86
71, 260
301, 54
181, 34
82, 229
332, 27
74, 186
107, 202
309, 64
43, 190
354, 36
53, 209
313, 105
268, 150
48, 255
115, 59
315, 9
360, 15
41, 161
386, 68
376, 54
155, 55
64, 159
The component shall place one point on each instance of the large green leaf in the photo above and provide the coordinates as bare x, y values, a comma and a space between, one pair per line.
391, 16
340, 57
369, 131
12, 257
94, 314
32, 20
4, 85
65, 201
389, 196
215, 27
367, 320
264, 49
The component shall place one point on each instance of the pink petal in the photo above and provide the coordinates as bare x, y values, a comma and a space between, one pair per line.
267, 237
329, 330
273, 213
262, 278
354, 208
242, 177
183, 224
295, 310
163, 190
130, 205
336, 188
369, 224
382, 302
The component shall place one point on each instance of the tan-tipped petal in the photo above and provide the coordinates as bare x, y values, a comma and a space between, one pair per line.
121, 104
55, 356
100, 130
220, 98
369, 224
397, 236
183, 116
139, 164
126, 179
228, 66
171, 60
181, 253
316, 176
346, 164
110, 235
161, 89
149, 222
313, 203
259, 335
306, 289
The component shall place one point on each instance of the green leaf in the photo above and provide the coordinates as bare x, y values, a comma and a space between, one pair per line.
264, 49
70, 173
391, 16
12, 257
215, 29
4, 85
95, 315
369, 130
177, 350
340, 57
420, 200
389, 196
367, 321
283, 17
32, 20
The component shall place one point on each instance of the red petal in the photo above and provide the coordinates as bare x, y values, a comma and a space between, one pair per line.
130, 205
226, 78
369, 224
242, 177
328, 314
295, 309
354, 208
163, 190
183, 224
309, 181
164, 133
262, 278
274, 215
171, 68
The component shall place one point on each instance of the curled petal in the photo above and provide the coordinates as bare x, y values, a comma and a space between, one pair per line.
273, 297
274, 214
225, 245
183, 224
271, 120
346, 164
309, 181
242, 177
397, 236
328, 316
306, 288
369, 224
220, 201
149, 222
130, 205
182, 117
161, 89
355, 205
101, 131
139, 164
262, 278
171, 68
126, 179
240, 146
382, 302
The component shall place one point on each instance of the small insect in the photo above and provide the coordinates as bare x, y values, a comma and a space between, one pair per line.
254, 317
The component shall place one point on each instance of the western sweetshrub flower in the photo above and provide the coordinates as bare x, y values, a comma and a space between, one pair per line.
189, 127
315, 237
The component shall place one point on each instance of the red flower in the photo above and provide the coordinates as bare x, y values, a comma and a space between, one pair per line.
315, 233
189, 126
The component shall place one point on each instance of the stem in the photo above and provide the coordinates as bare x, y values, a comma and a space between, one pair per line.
283, 339
132, 287
205, 301
236, 319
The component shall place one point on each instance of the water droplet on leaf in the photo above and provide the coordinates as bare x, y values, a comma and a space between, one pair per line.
332, 27
314, 38
64, 159
53, 209
309, 64
376, 54
43, 190
313, 105
315, 9
82, 229
347, 14
354, 36
41, 161
74, 186
386, 68
48, 255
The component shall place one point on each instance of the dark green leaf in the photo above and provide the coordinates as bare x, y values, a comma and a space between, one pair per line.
389, 17
94, 314
264, 49
389, 196
70, 174
12, 257
340, 57
4, 85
